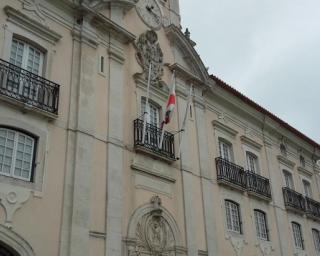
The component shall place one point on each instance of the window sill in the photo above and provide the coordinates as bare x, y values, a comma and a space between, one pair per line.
20, 183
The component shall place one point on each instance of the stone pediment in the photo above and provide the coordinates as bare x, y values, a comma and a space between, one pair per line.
100, 4
191, 60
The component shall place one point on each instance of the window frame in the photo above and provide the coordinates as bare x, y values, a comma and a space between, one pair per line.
223, 141
27, 44
293, 225
258, 211
151, 104
232, 221
287, 173
256, 162
308, 183
33, 157
316, 245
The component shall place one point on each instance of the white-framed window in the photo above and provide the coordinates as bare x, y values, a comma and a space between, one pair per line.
154, 112
16, 154
26, 56
316, 239
307, 188
297, 235
252, 162
225, 150
288, 179
261, 225
233, 216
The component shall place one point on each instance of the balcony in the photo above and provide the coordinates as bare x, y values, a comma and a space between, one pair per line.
293, 200
258, 186
31, 90
152, 141
230, 174
312, 208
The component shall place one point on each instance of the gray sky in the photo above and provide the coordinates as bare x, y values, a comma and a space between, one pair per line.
267, 49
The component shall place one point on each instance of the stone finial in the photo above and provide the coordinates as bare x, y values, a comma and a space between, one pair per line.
187, 33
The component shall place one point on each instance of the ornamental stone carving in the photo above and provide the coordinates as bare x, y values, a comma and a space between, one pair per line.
149, 51
153, 232
33, 8
237, 243
12, 199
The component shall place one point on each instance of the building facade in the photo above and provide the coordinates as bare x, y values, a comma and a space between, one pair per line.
79, 176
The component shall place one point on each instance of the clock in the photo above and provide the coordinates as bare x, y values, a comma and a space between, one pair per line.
150, 12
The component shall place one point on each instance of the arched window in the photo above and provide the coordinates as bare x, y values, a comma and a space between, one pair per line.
316, 239
233, 216
297, 235
261, 225
17, 151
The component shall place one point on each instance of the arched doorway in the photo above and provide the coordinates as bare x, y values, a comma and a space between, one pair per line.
7, 251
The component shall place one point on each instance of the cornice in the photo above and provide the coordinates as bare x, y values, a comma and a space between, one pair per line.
100, 4
175, 35
185, 74
24, 21
224, 128
251, 142
285, 161
304, 171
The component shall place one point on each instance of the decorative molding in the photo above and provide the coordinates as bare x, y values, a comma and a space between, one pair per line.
185, 74
305, 171
150, 53
34, 8
176, 36
224, 128
15, 241
250, 142
12, 199
265, 248
97, 234
202, 253
237, 243
285, 161
101, 4
116, 54
153, 231
22, 20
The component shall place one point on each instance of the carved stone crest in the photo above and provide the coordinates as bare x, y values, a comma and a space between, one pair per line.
149, 51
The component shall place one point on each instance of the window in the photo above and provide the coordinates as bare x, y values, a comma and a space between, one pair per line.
225, 150
101, 64
153, 117
307, 188
252, 162
288, 179
16, 154
261, 225
26, 56
297, 235
302, 161
316, 239
233, 216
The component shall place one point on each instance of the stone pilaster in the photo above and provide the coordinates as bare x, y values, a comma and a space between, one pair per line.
76, 204
206, 185
114, 211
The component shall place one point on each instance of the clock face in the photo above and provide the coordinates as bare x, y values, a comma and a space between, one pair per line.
150, 12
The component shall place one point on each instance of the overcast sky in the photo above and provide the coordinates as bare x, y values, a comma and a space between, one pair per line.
267, 49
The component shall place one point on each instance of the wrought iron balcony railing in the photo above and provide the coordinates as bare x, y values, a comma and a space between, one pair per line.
258, 185
151, 142
312, 208
293, 200
30, 89
230, 174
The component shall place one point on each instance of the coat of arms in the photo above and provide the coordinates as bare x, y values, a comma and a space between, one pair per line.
149, 52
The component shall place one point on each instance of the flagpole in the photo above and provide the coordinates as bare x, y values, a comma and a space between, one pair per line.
146, 111
183, 127
162, 124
